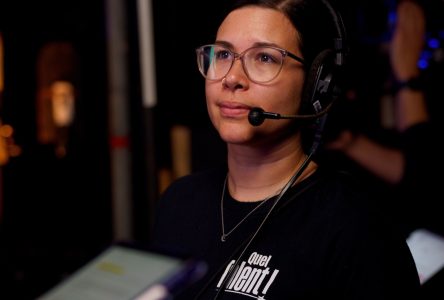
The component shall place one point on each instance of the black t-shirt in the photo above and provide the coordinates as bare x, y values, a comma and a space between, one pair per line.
321, 241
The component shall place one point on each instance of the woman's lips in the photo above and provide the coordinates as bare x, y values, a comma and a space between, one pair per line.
233, 110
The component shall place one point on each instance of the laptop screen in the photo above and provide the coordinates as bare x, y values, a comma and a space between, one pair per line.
121, 273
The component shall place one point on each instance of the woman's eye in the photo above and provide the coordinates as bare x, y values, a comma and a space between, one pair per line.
266, 58
223, 54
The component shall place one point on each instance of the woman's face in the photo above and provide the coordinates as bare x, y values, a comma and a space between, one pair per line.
230, 100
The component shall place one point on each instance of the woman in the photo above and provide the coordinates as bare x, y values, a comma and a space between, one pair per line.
272, 224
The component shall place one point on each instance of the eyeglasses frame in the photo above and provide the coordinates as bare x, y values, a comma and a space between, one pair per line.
240, 56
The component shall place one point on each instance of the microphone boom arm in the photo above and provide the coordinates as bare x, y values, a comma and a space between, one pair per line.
257, 115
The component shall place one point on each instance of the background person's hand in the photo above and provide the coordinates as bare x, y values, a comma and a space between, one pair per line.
408, 40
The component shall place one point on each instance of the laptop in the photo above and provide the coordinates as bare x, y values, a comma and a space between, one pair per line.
124, 272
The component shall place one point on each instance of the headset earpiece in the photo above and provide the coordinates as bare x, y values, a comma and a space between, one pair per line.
319, 83
320, 88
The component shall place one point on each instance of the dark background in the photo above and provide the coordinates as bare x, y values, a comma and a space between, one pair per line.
56, 212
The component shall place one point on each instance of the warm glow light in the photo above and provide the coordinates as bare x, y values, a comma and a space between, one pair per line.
62, 97
6, 131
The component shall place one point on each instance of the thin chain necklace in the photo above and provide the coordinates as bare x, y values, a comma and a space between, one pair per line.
224, 235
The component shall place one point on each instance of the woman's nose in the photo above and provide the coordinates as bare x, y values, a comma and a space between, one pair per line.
236, 77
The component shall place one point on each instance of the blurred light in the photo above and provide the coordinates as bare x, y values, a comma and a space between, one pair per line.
391, 18
6, 131
433, 43
423, 64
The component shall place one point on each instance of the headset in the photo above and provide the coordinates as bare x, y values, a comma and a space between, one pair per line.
324, 78
321, 87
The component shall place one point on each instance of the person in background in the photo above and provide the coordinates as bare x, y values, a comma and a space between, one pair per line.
273, 223
408, 166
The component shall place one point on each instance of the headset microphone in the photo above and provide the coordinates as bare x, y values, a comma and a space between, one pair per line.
257, 116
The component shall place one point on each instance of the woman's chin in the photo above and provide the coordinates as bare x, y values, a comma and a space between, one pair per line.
236, 135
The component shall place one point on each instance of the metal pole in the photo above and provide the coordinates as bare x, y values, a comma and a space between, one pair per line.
149, 97
118, 116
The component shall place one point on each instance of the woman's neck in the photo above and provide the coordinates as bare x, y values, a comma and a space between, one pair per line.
255, 174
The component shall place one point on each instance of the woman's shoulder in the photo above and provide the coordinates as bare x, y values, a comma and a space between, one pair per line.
342, 198
347, 202
341, 183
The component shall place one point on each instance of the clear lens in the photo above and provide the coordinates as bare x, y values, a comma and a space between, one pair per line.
261, 64
215, 61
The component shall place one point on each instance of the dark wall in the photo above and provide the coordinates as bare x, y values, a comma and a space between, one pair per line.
56, 209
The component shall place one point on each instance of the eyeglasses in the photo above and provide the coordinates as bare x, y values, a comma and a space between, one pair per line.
261, 63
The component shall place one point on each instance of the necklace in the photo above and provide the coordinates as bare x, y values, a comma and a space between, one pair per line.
224, 235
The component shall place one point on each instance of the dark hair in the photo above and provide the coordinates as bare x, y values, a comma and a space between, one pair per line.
311, 18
